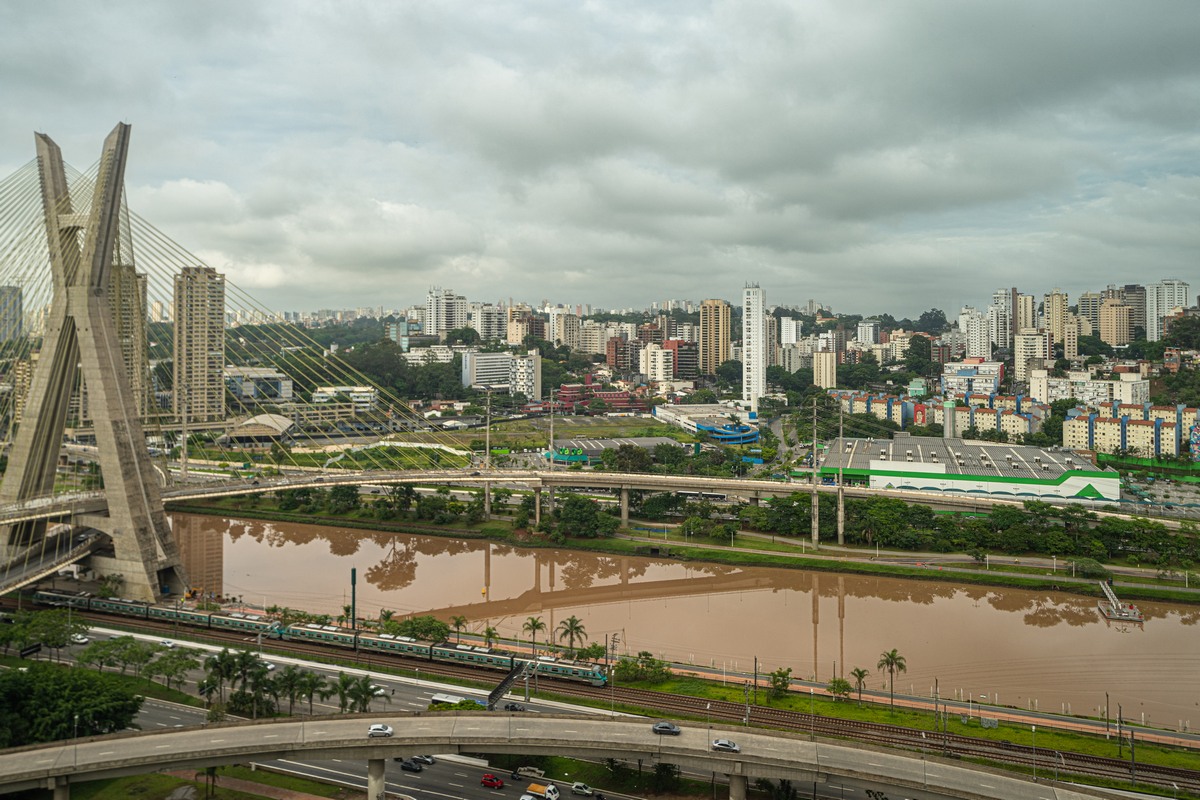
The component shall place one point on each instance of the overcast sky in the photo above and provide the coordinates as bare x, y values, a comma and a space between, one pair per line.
873, 156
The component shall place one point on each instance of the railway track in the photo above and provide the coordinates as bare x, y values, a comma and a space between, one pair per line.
669, 705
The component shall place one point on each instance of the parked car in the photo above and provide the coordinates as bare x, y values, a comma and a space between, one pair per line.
666, 729
379, 729
408, 765
491, 781
578, 787
424, 759
725, 746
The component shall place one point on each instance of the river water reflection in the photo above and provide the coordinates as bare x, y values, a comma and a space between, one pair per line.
1021, 646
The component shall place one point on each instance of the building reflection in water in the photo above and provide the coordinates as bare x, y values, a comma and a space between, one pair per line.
201, 543
1024, 644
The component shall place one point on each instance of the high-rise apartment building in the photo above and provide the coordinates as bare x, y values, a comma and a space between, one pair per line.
1115, 328
979, 335
1026, 315
868, 331
525, 376
790, 330
825, 369
1089, 307
754, 344
686, 357
1070, 340
488, 321
444, 312
127, 301
1054, 309
657, 363
1031, 350
715, 322
12, 313
199, 345
1000, 316
1161, 299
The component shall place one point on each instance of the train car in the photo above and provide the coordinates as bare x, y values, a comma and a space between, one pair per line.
472, 654
62, 599
237, 621
329, 634
572, 670
128, 608
184, 615
390, 643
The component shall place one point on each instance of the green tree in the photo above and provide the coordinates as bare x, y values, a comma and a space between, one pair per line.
291, 684
174, 665
312, 685
533, 626
490, 635
839, 688
221, 669
45, 703
343, 687
781, 681
893, 662
458, 622
571, 629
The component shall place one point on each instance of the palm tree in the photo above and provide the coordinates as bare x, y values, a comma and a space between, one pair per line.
245, 664
342, 687
289, 683
362, 692
893, 662
489, 635
532, 626
860, 678
386, 614
458, 622
221, 668
312, 684
571, 629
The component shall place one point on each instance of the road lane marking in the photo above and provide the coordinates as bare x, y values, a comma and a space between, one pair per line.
271, 736
214, 741
108, 752
455, 785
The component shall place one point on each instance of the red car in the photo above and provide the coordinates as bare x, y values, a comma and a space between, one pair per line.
491, 781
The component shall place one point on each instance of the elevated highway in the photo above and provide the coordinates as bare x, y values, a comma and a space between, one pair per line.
773, 756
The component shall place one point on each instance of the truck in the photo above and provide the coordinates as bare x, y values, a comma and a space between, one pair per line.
539, 791
528, 772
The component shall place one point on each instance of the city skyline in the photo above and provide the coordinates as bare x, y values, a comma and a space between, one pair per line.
895, 160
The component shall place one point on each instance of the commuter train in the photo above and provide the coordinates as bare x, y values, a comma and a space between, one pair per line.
332, 635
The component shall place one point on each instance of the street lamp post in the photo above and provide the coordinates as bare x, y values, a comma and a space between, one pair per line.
1061, 761
1034, 727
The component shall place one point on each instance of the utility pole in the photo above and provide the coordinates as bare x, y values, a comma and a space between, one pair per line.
841, 491
816, 514
552, 453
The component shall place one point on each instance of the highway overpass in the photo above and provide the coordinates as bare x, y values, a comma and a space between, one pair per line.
763, 755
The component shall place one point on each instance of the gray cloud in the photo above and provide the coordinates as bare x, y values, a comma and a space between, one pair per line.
873, 156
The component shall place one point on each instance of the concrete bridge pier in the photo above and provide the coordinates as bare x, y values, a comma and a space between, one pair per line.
60, 788
624, 506
737, 787
537, 506
376, 779
487, 499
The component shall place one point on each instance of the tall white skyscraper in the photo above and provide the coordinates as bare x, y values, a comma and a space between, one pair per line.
754, 344
444, 311
1161, 297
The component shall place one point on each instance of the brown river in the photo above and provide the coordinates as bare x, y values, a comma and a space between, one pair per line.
1048, 650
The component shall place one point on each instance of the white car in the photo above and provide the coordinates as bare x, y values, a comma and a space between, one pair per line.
167, 643
378, 690
379, 729
725, 746
79, 638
